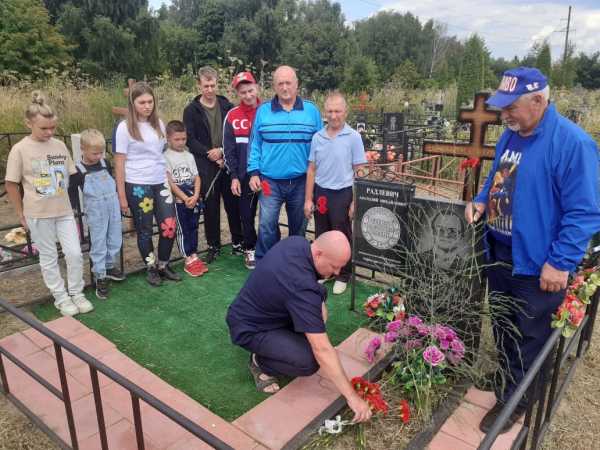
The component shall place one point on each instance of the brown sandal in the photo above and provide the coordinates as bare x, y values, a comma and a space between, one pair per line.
261, 384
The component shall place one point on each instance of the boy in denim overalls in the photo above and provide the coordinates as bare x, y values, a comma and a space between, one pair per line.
101, 208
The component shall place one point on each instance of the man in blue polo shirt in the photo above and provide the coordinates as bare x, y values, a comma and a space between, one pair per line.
541, 207
279, 147
279, 315
336, 152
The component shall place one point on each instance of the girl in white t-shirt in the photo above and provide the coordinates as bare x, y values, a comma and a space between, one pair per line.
140, 171
42, 165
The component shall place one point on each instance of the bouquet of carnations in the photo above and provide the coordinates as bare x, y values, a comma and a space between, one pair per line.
571, 312
388, 305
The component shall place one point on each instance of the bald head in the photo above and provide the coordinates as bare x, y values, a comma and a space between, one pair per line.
331, 251
285, 84
284, 71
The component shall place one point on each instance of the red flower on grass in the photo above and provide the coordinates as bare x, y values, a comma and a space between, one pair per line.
404, 411
168, 227
266, 187
322, 204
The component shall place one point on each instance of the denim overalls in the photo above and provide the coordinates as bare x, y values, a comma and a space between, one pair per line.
103, 213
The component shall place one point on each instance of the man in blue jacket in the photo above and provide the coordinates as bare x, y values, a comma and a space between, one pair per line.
541, 207
279, 147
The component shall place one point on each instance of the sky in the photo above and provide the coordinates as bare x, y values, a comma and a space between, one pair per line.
509, 27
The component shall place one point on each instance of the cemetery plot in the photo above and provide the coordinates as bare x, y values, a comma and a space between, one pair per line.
178, 332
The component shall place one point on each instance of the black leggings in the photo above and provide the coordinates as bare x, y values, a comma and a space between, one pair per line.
148, 201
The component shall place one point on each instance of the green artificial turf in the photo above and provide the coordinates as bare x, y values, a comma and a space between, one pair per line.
178, 331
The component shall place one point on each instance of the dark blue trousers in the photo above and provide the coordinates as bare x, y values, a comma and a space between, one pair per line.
281, 352
530, 312
248, 205
187, 224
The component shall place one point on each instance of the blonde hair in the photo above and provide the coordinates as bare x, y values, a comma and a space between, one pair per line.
92, 138
136, 90
39, 107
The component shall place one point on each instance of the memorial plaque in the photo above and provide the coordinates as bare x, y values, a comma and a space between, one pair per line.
441, 232
380, 232
443, 267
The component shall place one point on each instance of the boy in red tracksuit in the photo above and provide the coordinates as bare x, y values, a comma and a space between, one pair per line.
236, 133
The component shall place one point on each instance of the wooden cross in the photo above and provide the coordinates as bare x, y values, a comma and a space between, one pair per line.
479, 117
122, 112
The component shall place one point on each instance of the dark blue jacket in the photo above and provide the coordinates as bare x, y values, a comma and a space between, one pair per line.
556, 202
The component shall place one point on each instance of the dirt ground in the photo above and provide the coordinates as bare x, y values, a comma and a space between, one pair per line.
576, 424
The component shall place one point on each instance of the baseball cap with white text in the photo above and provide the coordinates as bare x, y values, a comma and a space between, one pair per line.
242, 77
517, 82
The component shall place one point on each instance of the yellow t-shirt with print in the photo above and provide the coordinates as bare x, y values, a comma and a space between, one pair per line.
43, 168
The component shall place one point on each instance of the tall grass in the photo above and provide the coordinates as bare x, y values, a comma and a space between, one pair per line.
81, 104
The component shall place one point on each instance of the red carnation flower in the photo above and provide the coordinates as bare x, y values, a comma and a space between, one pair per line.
266, 187
404, 411
322, 204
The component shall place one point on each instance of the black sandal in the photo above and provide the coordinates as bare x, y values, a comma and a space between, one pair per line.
261, 384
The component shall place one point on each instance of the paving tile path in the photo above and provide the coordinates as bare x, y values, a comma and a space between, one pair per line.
37, 352
461, 429
270, 425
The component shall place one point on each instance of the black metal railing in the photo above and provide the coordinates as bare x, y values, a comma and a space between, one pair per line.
95, 367
545, 383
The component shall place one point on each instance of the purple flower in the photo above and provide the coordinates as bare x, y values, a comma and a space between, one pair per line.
443, 333
433, 356
405, 332
414, 321
395, 326
412, 344
372, 349
457, 346
444, 344
423, 330
390, 336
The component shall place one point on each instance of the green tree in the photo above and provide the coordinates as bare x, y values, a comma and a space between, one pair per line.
565, 72
407, 76
179, 47
316, 44
588, 70
116, 55
390, 38
543, 60
29, 44
475, 72
360, 75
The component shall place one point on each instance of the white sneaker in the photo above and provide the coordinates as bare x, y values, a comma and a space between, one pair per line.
67, 307
249, 259
323, 280
82, 303
339, 287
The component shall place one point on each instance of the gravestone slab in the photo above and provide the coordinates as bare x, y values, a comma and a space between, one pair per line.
379, 235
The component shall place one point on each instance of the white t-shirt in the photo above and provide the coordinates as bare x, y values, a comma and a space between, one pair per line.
181, 166
145, 163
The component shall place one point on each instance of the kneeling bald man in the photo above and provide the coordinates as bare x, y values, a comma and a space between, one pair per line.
279, 315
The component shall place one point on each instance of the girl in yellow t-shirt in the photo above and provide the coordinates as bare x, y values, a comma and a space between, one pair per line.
42, 165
